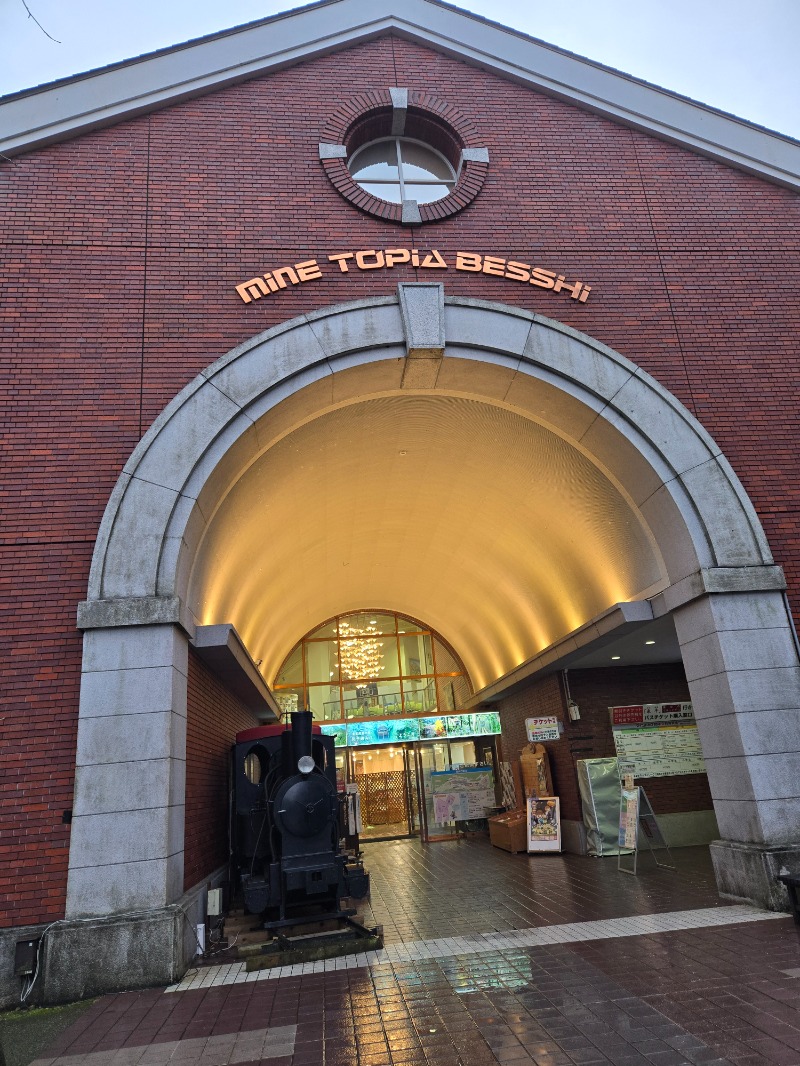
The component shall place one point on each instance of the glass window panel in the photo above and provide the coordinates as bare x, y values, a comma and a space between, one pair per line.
462, 753
324, 702
375, 699
419, 161
416, 654
350, 703
426, 194
419, 697
364, 661
446, 662
382, 191
368, 658
389, 698
373, 621
290, 700
322, 657
329, 629
453, 693
376, 162
291, 673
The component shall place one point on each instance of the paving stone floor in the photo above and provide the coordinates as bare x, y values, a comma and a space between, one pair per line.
715, 985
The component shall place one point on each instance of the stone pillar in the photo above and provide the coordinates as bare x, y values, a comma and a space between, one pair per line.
741, 661
126, 850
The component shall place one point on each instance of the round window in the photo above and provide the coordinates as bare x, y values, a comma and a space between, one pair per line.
399, 168
252, 768
403, 156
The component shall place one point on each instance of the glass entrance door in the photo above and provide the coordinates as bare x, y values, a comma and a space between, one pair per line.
430, 757
387, 792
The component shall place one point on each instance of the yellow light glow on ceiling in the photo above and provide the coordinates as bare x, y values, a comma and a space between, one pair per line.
490, 527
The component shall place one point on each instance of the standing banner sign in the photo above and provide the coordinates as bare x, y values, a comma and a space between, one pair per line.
635, 811
544, 823
629, 818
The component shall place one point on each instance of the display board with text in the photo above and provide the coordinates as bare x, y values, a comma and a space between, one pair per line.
462, 794
657, 739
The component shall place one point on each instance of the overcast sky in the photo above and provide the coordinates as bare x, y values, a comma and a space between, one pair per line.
737, 55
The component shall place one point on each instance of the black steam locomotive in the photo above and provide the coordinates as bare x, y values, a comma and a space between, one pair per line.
286, 831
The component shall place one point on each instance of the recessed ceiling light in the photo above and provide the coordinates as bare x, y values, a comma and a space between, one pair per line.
649, 642
615, 656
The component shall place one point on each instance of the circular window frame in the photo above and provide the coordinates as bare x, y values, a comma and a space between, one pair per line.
417, 116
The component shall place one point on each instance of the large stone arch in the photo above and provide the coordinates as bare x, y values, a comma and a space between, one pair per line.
718, 578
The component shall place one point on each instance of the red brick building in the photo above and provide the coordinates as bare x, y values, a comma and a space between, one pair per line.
533, 382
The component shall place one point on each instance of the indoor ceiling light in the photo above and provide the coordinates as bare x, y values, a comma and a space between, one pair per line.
360, 652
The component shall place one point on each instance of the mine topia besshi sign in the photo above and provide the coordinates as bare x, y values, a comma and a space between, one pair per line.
386, 258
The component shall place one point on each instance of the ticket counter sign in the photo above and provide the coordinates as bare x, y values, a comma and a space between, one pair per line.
658, 739
543, 729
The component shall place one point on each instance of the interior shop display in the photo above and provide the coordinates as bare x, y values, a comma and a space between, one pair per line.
535, 765
658, 739
544, 823
285, 822
599, 784
508, 793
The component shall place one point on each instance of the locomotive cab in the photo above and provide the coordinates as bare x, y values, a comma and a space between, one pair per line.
286, 840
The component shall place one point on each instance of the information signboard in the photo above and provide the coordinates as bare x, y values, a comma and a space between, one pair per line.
459, 795
540, 730
658, 739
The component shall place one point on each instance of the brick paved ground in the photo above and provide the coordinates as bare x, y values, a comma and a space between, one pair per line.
713, 994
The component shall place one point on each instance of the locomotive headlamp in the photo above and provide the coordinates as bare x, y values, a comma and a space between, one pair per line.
305, 764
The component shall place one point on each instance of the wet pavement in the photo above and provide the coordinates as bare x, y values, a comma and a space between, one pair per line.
490, 958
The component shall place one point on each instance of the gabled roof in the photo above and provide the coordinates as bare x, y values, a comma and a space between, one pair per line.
99, 98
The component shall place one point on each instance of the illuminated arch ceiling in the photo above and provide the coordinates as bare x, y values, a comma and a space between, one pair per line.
463, 511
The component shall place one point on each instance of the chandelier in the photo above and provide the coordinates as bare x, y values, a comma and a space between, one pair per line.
360, 651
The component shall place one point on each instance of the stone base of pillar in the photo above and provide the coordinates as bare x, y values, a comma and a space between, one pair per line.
90, 956
747, 872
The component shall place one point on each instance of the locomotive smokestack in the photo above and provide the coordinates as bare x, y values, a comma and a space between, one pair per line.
301, 741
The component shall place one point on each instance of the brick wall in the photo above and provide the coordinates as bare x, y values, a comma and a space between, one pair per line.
214, 717
542, 697
591, 737
119, 253
40, 655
